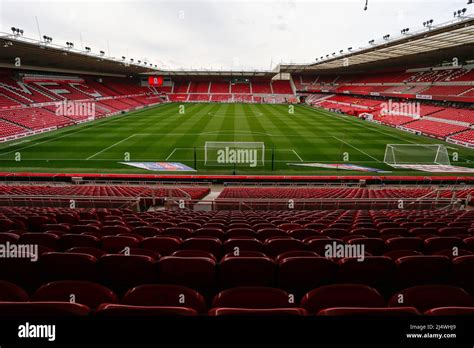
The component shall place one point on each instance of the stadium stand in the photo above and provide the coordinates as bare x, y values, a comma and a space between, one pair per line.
465, 137
435, 128
100, 281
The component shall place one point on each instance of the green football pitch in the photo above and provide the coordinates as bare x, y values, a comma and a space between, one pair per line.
179, 133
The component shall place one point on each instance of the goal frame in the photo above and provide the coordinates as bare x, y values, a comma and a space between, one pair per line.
439, 147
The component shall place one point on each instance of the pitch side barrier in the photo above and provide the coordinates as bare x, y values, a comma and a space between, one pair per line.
235, 204
74, 202
221, 179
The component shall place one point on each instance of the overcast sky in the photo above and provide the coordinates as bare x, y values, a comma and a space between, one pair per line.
221, 34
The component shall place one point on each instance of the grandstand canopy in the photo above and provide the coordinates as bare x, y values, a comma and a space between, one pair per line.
213, 73
426, 47
37, 55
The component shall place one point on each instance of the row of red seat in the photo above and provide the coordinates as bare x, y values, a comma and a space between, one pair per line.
336, 192
438, 129
214, 243
244, 98
297, 274
108, 191
226, 87
164, 300
35, 219
430, 76
465, 137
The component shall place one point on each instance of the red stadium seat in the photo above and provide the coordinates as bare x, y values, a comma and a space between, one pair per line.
295, 253
195, 272
240, 232
68, 241
87, 250
253, 297
463, 271
425, 297
165, 295
376, 271
374, 246
127, 311
7, 237
404, 243
432, 245
417, 270
286, 312
117, 244
450, 311
194, 253
280, 245
341, 295
242, 244
67, 266
42, 309
122, 272
163, 245
210, 244
372, 312
10, 292
246, 271
302, 273
86, 293
396, 254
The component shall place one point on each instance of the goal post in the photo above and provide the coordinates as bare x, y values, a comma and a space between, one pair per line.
416, 154
231, 153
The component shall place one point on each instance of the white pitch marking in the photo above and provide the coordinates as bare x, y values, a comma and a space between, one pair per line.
361, 151
296, 153
172, 153
115, 144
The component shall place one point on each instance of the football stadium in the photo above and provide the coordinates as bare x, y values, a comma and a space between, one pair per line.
142, 197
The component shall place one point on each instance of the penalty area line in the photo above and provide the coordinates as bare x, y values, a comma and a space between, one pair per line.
111, 146
356, 148
296, 153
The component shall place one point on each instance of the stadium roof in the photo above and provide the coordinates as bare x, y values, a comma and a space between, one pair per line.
428, 47
43, 56
214, 73
424, 47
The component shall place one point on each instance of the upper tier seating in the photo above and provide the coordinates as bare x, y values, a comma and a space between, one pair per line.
446, 90
281, 87
181, 87
219, 87
261, 87
199, 87
241, 88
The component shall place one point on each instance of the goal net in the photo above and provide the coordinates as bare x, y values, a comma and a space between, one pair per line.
419, 154
229, 153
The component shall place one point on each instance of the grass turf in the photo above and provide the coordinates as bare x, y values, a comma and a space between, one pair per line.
164, 134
